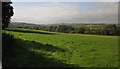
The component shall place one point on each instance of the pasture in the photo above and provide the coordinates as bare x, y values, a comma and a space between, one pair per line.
42, 48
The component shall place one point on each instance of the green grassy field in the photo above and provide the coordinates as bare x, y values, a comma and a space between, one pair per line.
41, 48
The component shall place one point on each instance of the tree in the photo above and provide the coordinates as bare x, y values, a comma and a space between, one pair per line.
110, 30
82, 30
61, 28
7, 13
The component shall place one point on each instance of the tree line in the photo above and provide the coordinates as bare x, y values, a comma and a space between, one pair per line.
84, 29
98, 29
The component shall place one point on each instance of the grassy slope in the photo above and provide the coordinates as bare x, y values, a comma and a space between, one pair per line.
79, 49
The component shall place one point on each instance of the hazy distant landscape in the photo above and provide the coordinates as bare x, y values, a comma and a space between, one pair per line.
81, 28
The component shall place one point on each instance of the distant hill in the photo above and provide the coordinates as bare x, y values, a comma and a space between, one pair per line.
22, 24
16, 24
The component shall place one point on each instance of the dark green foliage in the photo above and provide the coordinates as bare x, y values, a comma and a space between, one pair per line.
111, 30
7, 12
82, 30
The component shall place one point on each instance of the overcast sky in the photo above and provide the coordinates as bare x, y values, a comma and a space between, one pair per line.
65, 12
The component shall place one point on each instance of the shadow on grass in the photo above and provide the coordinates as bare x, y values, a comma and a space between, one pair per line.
30, 31
18, 53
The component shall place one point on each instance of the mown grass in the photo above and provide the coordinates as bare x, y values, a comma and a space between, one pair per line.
41, 48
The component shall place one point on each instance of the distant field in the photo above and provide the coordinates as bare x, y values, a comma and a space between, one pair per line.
60, 49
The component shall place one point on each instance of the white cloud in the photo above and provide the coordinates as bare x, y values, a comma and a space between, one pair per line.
67, 13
